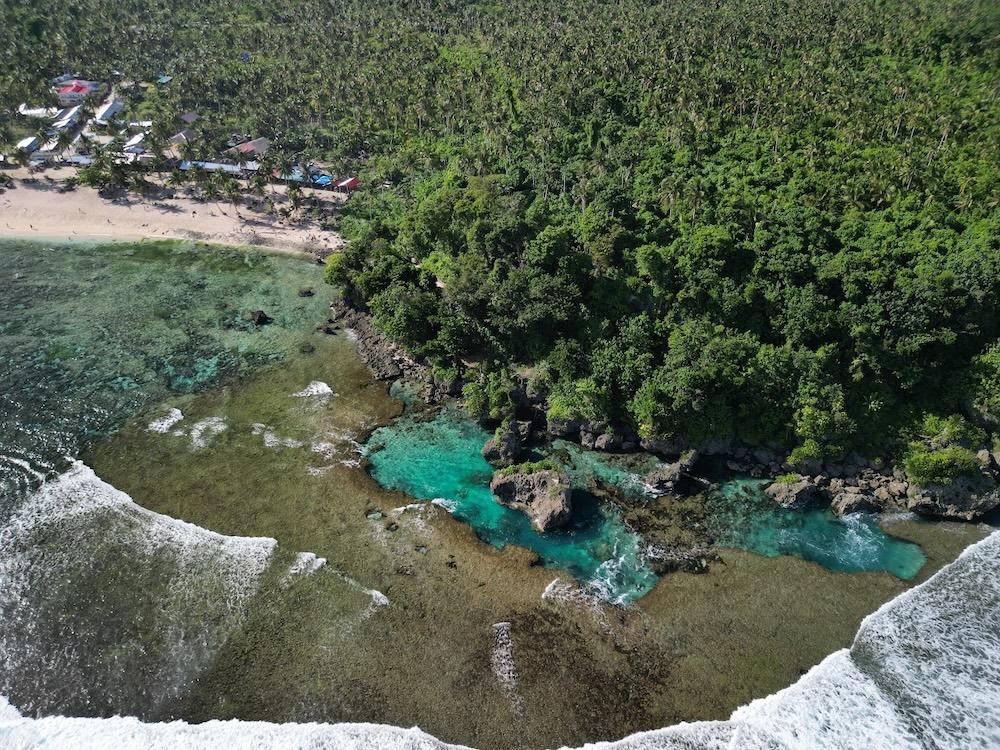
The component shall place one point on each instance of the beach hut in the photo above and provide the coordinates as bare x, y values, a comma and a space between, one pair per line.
351, 183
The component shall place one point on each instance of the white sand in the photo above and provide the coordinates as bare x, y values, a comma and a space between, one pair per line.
39, 209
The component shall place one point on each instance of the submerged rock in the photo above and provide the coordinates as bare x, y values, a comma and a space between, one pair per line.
259, 318
543, 495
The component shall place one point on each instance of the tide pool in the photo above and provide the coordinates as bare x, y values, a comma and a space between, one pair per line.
741, 516
440, 460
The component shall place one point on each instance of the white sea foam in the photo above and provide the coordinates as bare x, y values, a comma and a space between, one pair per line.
273, 441
55, 551
442, 502
502, 662
164, 423
317, 388
204, 430
378, 598
351, 334
924, 672
306, 563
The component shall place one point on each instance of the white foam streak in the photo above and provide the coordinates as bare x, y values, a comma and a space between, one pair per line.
204, 430
502, 662
163, 424
47, 558
315, 389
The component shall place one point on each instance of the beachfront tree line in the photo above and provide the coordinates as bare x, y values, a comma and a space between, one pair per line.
698, 218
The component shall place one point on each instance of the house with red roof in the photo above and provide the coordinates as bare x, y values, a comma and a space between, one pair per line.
75, 91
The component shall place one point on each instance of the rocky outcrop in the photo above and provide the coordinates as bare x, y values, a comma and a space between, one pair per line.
678, 478
543, 495
385, 359
259, 318
504, 449
855, 500
964, 498
671, 560
804, 492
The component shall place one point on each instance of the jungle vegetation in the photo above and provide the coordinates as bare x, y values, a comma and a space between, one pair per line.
755, 217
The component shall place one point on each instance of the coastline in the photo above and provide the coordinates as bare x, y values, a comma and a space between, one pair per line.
41, 208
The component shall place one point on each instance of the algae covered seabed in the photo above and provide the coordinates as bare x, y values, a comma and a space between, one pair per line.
413, 620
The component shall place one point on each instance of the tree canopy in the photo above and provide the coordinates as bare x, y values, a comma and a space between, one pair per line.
778, 220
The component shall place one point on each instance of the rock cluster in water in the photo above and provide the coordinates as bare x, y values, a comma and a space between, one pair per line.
543, 495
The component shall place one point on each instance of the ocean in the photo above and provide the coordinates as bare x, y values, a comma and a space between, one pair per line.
208, 521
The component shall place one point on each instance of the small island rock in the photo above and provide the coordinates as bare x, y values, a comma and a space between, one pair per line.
543, 495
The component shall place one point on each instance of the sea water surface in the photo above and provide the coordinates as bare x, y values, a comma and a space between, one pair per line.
297, 589
439, 459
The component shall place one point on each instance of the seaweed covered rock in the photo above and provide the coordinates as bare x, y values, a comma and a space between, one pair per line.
542, 494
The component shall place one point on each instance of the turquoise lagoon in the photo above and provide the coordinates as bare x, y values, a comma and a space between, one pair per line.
439, 459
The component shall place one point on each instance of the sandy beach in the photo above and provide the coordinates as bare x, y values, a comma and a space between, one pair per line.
38, 207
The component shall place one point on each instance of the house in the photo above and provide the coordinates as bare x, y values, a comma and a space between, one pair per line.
251, 149
41, 112
75, 91
164, 80
233, 170
28, 145
182, 137
108, 110
134, 144
189, 117
351, 183
66, 119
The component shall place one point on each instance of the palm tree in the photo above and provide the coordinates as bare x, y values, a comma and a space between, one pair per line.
64, 141
234, 195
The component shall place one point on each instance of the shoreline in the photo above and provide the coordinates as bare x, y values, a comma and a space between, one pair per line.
850, 484
43, 208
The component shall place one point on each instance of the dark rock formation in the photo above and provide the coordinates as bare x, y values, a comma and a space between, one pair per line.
678, 478
305, 292
855, 500
259, 318
804, 492
693, 560
564, 428
964, 498
543, 495
385, 359
503, 450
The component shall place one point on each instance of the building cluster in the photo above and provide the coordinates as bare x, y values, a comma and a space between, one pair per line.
61, 139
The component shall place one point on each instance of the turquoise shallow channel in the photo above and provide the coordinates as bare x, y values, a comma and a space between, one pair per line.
741, 516
439, 459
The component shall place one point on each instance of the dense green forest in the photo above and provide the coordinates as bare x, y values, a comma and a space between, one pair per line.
777, 220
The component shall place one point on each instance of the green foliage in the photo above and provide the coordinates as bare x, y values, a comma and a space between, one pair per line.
986, 382
924, 466
771, 220
787, 479
945, 449
529, 467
